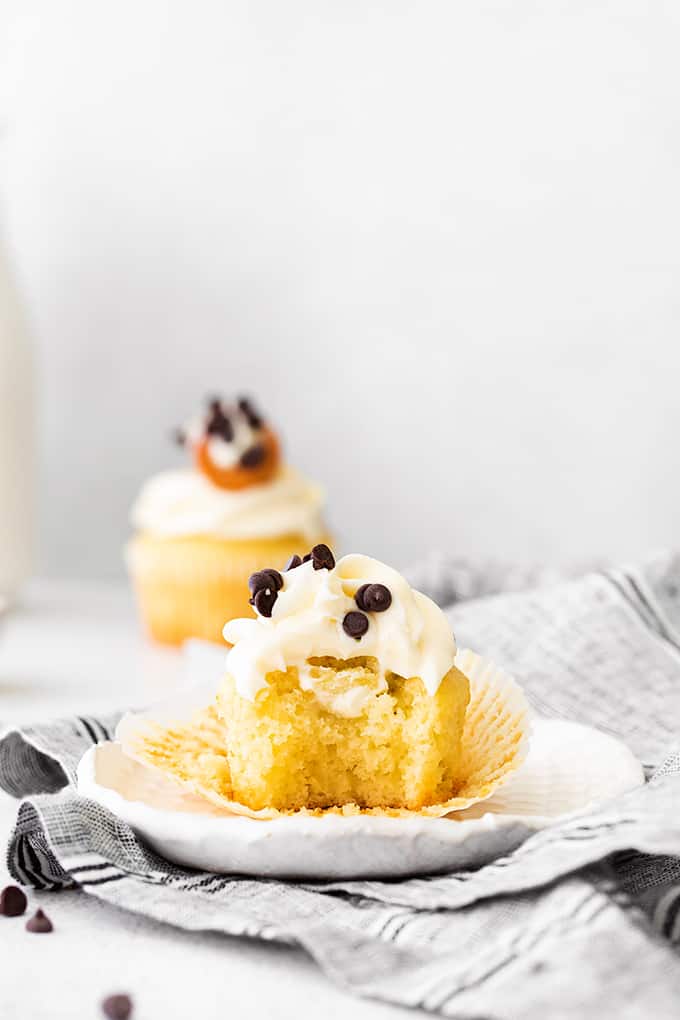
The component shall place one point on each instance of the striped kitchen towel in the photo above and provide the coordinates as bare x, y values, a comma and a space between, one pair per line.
580, 920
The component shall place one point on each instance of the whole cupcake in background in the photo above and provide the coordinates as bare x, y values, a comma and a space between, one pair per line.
200, 531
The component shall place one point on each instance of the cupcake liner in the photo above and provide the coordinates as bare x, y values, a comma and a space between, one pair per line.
188, 747
191, 586
568, 766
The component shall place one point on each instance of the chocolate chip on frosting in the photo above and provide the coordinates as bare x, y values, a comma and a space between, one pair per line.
373, 598
253, 457
249, 413
39, 923
13, 901
322, 557
179, 437
355, 624
222, 428
293, 562
264, 600
218, 423
268, 578
264, 587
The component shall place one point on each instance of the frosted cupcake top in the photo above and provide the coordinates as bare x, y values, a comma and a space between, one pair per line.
238, 488
318, 608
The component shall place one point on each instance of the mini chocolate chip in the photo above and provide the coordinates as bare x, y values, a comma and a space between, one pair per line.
220, 425
375, 598
253, 457
179, 437
226, 431
117, 1007
276, 578
258, 580
249, 413
39, 923
268, 578
264, 600
355, 624
293, 562
13, 901
306, 558
322, 557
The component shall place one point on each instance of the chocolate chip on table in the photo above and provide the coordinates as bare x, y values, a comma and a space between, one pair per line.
39, 923
373, 598
293, 562
249, 413
117, 1007
322, 557
268, 578
264, 600
253, 457
355, 624
13, 901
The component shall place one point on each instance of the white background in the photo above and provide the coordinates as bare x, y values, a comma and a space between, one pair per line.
439, 241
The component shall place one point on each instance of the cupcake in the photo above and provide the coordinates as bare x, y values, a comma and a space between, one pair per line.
202, 530
343, 690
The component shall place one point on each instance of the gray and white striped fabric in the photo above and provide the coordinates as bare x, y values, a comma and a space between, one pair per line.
581, 920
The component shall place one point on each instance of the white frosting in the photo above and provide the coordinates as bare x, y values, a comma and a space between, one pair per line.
223, 455
185, 502
411, 638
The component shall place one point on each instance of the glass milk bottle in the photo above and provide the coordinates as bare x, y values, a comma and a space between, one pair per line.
16, 438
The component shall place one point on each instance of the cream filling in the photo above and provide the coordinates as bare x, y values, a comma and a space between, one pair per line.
184, 502
350, 703
411, 638
336, 689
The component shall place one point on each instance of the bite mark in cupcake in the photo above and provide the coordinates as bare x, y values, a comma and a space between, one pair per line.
343, 689
308, 720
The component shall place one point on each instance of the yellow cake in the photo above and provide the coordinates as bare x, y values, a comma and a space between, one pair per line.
343, 690
202, 530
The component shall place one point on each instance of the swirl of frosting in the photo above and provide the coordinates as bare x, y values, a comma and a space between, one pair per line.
411, 638
184, 502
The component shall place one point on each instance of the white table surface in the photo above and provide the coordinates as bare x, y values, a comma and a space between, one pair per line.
72, 646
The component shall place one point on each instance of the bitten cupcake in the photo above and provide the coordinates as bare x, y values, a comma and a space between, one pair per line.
343, 690
202, 530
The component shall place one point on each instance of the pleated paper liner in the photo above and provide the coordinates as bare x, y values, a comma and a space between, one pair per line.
495, 741
569, 766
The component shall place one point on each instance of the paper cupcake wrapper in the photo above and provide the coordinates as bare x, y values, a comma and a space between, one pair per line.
568, 767
187, 745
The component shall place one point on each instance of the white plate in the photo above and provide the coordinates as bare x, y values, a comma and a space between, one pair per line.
568, 767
